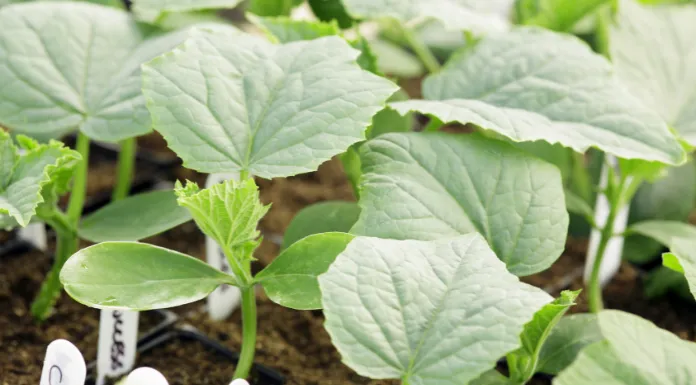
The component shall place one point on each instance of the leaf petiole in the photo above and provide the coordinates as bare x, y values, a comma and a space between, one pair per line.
126, 163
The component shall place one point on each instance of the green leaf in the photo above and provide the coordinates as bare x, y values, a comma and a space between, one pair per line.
388, 120
134, 218
285, 30
523, 362
533, 84
669, 198
291, 279
567, 339
665, 232
579, 206
662, 280
439, 312
491, 377
229, 103
472, 15
39, 175
395, 61
635, 352
270, 7
557, 15
228, 212
329, 10
322, 217
653, 55
151, 11
682, 259
76, 67
430, 186
138, 276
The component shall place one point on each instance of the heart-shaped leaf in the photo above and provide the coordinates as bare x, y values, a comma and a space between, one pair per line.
231, 103
75, 66
534, 84
435, 185
653, 54
438, 312
322, 217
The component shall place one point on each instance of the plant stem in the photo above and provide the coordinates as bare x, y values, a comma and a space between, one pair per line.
595, 288
126, 163
246, 358
66, 234
65, 246
79, 190
421, 50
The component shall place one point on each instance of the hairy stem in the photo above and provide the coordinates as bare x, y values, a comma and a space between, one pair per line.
126, 163
79, 189
421, 50
246, 358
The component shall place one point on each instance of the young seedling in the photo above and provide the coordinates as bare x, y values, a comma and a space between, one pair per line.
76, 68
253, 108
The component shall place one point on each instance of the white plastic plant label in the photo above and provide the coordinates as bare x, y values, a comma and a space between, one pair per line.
63, 365
35, 234
239, 381
225, 299
118, 343
612, 255
146, 376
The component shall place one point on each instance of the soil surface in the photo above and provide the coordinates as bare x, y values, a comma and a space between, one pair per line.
291, 342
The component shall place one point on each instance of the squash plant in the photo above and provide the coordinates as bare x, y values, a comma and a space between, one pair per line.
75, 67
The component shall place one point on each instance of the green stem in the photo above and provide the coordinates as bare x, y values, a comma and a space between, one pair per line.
126, 163
246, 357
595, 288
79, 189
66, 245
581, 178
421, 50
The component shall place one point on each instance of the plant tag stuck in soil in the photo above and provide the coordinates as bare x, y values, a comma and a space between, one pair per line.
146, 376
118, 343
612, 255
35, 234
225, 299
63, 365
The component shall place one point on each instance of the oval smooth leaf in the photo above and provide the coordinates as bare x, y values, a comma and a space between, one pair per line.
429, 313
566, 340
430, 186
231, 103
138, 276
533, 84
291, 279
134, 218
322, 217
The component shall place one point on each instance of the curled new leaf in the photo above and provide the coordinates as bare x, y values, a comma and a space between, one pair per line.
228, 212
40, 174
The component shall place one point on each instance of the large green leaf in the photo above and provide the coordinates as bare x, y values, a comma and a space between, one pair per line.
134, 218
434, 185
558, 15
322, 217
229, 103
291, 279
153, 10
523, 362
285, 30
138, 276
652, 51
534, 84
665, 232
567, 339
439, 312
228, 212
473, 15
635, 352
42, 172
68, 66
